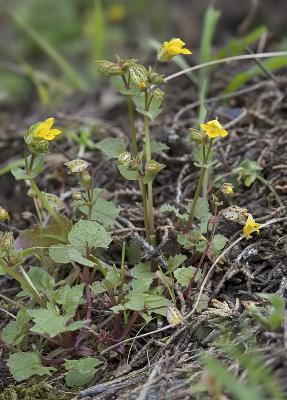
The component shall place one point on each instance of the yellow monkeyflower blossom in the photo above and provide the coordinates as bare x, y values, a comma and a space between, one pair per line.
116, 13
227, 189
171, 49
44, 130
214, 129
250, 227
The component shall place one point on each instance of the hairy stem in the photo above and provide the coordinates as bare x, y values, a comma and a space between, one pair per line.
134, 146
198, 189
145, 207
149, 185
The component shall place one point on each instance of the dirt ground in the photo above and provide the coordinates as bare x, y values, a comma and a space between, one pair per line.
164, 366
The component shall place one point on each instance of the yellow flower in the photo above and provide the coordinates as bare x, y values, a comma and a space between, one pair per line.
171, 49
250, 226
142, 85
4, 216
214, 129
227, 189
116, 13
44, 130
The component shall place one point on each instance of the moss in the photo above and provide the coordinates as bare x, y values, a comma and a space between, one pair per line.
38, 391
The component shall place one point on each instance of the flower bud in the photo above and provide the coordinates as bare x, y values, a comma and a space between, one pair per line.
158, 94
125, 159
139, 75
110, 68
77, 166
197, 136
142, 85
86, 179
34, 143
7, 241
155, 78
173, 316
77, 196
4, 215
153, 167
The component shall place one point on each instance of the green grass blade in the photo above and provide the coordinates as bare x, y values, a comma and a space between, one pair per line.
272, 64
238, 389
211, 18
237, 46
98, 34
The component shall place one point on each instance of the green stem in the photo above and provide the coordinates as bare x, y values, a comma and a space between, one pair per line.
90, 203
37, 191
134, 146
198, 190
44, 202
149, 185
145, 207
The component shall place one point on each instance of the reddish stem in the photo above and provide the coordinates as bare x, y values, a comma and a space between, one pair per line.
201, 261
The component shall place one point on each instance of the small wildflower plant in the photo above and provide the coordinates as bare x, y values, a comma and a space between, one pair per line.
74, 298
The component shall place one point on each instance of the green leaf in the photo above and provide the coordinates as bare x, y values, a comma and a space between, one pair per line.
169, 208
158, 147
120, 86
59, 253
202, 209
133, 252
155, 303
75, 255
154, 108
24, 365
70, 298
129, 174
104, 212
49, 321
20, 173
218, 243
89, 233
15, 331
186, 240
183, 275
143, 277
56, 232
43, 282
81, 372
135, 302
175, 261
113, 279
112, 147
98, 288
201, 213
